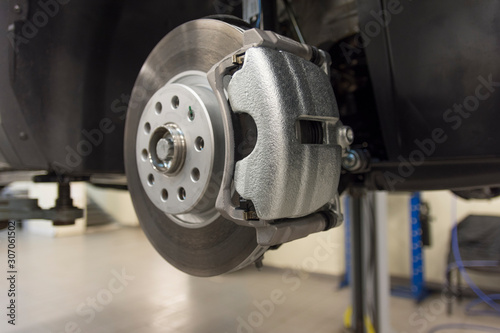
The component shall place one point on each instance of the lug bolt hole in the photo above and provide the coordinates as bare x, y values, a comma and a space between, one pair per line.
195, 175
175, 102
164, 195
147, 128
144, 155
158, 108
199, 144
181, 193
151, 180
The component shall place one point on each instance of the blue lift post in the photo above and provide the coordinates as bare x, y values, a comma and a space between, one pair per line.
417, 255
417, 289
347, 229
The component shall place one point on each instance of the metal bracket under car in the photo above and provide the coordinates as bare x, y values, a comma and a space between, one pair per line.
63, 213
291, 176
27, 209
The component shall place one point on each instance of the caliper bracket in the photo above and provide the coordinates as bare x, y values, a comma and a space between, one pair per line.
303, 98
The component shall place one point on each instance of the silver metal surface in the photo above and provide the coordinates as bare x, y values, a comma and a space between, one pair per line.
217, 245
219, 78
180, 150
287, 230
351, 161
355, 160
283, 177
291, 229
181, 61
167, 149
269, 39
182, 123
345, 136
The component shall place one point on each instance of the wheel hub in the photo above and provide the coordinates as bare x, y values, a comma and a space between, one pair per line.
188, 233
179, 149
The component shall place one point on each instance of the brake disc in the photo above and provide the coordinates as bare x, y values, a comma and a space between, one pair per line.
174, 153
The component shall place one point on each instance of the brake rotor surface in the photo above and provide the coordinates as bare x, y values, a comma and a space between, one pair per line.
172, 179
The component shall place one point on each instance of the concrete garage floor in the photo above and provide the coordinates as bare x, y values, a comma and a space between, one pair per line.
114, 281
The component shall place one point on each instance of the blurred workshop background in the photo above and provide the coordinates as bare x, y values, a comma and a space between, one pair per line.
317, 266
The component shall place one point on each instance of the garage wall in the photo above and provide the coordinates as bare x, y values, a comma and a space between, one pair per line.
441, 204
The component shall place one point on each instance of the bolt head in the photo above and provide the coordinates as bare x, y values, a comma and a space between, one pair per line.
164, 148
349, 161
349, 134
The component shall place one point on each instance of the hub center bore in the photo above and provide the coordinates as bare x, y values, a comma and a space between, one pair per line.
168, 149
165, 149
